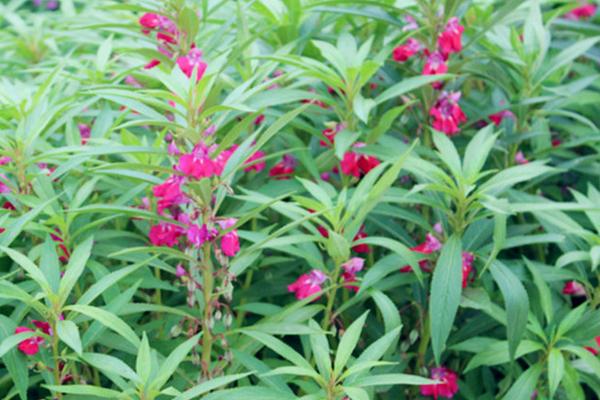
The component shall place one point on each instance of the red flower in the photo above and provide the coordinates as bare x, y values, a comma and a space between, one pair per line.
165, 234
447, 114
361, 248
591, 350
197, 235
257, 160
467, 267
448, 386
329, 134
283, 169
358, 165
198, 163
430, 245
499, 116
405, 51
587, 10
29, 346
556, 142
574, 288
449, 40
307, 284
153, 63
191, 61
43, 326
349, 278
435, 64
259, 120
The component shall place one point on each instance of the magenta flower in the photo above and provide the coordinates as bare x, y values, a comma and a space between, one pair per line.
257, 160
169, 193
307, 284
5, 160
405, 51
230, 242
197, 164
283, 169
85, 131
447, 114
198, 235
193, 60
180, 271
574, 288
447, 387
585, 11
430, 245
358, 165
165, 234
435, 64
449, 40
498, 117
467, 267
29, 346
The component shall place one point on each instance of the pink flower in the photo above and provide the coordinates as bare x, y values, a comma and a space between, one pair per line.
353, 265
5, 160
4, 188
230, 243
131, 81
29, 346
449, 40
307, 284
85, 132
165, 234
430, 245
152, 63
520, 158
499, 116
191, 61
283, 169
329, 134
180, 271
574, 288
447, 114
435, 64
467, 267
405, 51
169, 193
198, 235
257, 160
585, 11
448, 386
411, 23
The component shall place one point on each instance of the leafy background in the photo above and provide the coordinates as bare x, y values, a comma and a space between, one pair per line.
125, 325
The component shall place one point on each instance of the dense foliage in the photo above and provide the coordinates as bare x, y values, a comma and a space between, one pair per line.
299, 199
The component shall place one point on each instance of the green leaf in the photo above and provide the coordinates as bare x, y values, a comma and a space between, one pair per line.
69, 334
516, 303
75, 268
279, 347
15, 363
86, 390
406, 85
143, 362
108, 319
110, 364
446, 286
207, 386
176, 357
477, 152
32, 270
524, 387
348, 343
448, 154
556, 370
11, 341
393, 379
356, 393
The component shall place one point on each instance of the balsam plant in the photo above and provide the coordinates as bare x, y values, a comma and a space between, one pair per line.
299, 199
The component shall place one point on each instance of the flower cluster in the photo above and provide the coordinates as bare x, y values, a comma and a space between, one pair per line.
190, 61
31, 346
447, 387
446, 113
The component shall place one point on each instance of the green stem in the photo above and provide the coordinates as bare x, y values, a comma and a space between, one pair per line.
331, 296
55, 356
207, 287
424, 344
